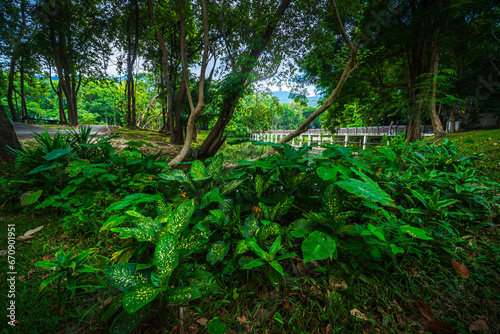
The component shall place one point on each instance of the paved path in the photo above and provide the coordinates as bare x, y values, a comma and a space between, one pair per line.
25, 131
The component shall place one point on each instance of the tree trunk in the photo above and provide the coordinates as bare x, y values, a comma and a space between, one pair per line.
7, 137
10, 90
63, 74
195, 111
452, 118
131, 117
216, 137
24, 109
436, 122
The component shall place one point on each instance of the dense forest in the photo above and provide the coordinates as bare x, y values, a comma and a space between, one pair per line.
176, 220
415, 62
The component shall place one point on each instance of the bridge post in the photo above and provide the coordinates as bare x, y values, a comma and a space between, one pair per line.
309, 140
346, 140
364, 142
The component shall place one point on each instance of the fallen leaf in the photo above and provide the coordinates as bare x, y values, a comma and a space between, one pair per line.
44, 277
425, 309
46, 257
33, 231
287, 303
242, 320
358, 314
107, 301
301, 270
460, 269
495, 144
398, 317
24, 237
479, 325
327, 329
202, 321
22, 278
63, 236
16, 323
3, 252
436, 325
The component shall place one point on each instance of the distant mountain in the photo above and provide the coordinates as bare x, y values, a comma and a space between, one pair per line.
284, 97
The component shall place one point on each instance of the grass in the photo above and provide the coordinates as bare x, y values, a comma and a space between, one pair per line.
380, 302
485, 144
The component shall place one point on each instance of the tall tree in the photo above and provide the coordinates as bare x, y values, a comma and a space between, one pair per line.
7, 137
73, 34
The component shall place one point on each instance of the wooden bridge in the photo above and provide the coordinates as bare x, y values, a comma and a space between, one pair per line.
363, 136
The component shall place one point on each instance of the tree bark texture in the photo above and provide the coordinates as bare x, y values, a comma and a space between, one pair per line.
7, 137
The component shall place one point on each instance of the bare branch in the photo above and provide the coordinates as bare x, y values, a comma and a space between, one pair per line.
340, 26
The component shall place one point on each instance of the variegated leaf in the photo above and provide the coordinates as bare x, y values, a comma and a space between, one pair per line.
216, 166
259, 184
134, 232
182, 294
192, 240
175, 175
217, 252
250, 228
138, 296
180, 217
166, 256
123, 276
198, 170
233, 184
267, 230
284, 207
145, 223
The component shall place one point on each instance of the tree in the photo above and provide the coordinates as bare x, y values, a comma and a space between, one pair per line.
7, 137
73, 34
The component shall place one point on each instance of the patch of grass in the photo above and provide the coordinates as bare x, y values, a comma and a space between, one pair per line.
485, 144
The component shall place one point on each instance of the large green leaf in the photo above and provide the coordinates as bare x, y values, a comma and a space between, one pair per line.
166, 255
318, 246
145, 223
126, 322
198, 170
217, 252
133, 232
138, 296
210, 197
52, 155
180, 217
30, 197
215, 167
182, 294
327, 173
367, 190
123, 276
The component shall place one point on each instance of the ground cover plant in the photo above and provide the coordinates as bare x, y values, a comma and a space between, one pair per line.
396, 238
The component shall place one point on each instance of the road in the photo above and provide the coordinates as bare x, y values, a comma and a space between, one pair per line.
25, 131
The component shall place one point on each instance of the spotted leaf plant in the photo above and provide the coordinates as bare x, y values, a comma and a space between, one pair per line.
141, 284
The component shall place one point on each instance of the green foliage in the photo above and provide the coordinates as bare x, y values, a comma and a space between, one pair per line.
69, 267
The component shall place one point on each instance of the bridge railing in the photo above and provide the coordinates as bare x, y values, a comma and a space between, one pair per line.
365, 130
